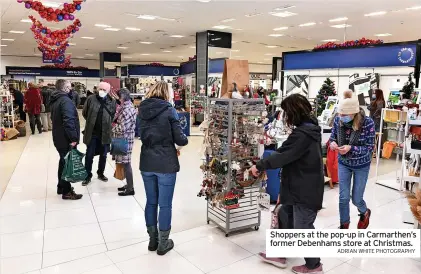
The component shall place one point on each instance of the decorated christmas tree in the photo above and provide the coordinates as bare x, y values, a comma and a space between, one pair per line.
328, 89
408, 88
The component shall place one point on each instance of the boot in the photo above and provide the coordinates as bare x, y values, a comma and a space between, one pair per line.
153, 238
344, 226
165, 244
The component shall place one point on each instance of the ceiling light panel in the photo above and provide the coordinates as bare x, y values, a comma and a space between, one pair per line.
283, 14
280, 28
17, 31
276, 35
26, 21
132, 29
102, 26
221, 27
3, 45
112, 29
330, 40
122, 47
176, 36
228, 20
341, 26
7, 39
167, 51
88, 37
146, 17
414, 8
235, 50
71, 44
51, 4
383, 34
339, 19
145, 54
271, 47
377, 13
307, 24
89, 54
146, 42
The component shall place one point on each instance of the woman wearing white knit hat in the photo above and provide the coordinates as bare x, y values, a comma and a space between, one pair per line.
353, 136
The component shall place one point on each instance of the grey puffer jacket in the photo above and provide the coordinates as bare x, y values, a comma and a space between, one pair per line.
90, 112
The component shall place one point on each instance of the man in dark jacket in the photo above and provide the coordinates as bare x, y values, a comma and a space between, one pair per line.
75, 96
46, 115
66, 132
18, 96
98, 111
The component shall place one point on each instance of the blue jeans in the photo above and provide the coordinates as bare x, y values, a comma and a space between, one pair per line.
360, 181
95, 147
159, 188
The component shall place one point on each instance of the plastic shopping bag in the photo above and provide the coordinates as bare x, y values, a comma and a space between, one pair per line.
74, 171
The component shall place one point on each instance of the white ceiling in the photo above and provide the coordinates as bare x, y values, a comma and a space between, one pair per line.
251, 34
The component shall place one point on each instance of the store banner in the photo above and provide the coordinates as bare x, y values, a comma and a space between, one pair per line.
36, 71
188, 67
235, 71
216, 65
124, 71
59, 60
143, 70
376, 56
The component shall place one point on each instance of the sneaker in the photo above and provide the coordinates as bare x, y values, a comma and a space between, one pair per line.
86, 182
127, 193
278, 262
364, 219
72, 196
102, 178
122, 188
344, 226
302, 269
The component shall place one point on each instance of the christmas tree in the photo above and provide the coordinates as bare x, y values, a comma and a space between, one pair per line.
328, 89
408, 88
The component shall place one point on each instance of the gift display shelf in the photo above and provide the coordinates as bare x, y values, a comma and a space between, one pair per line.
7, 116
233, 134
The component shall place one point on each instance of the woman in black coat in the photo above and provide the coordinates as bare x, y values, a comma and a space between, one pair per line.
160, 132
302, 179
18, 100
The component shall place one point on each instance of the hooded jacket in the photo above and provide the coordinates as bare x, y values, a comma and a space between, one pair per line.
300, 157
66, 127
160, 131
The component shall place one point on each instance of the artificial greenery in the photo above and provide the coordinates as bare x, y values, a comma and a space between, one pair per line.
327, 89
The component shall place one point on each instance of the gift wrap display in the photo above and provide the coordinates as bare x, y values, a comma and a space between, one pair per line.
233, 142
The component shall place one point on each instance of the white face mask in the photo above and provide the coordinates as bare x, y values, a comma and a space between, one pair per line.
247, 94
102, 93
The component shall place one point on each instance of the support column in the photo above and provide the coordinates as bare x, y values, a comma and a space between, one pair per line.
202, 65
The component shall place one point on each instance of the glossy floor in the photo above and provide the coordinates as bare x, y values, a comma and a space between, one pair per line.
106, 234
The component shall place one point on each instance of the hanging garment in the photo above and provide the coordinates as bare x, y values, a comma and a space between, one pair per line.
332, 164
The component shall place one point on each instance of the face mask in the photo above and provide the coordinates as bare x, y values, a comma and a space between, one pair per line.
346, 119
374, 96
102, 93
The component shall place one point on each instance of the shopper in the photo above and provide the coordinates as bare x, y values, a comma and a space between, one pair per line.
66, 132
19, 100
46, 115
75, 96
353, 135
33, 106
123, 127
160, 131
376, 106
302, 179
98, 111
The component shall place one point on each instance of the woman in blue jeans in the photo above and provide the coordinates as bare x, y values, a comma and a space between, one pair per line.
353, 136
160, 132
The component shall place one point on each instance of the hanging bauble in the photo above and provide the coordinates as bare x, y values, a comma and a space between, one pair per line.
28, 5
78, 7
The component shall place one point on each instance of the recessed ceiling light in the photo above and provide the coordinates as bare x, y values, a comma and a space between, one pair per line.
260, 62
145, 54
280, 28
269, 54
71, 44
112, 29
89, 54
3, 45
176, 36
233, 42
414, 8
307, 24
16, 31
383, 34
271, 47
339, 19
166, 51
193, 47
88, 37
122, 47
132, 29
7, 39
81, 57
228, 20
221, 27
146, 42
203, 1
282, 14
330, 40
26, 21
147, 17
276, 35
102, 26
235, 50
51, 4
341, 26
377, 13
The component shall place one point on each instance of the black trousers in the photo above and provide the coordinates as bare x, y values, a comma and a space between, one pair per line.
95, 147
299, 217
64, 185
35, 119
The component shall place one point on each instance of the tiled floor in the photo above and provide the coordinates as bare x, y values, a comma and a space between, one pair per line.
106, 234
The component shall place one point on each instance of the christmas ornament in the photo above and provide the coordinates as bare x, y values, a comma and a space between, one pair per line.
349, 44
54, 15
327, 89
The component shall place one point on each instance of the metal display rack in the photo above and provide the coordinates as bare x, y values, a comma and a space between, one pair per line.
234, 136
7, 116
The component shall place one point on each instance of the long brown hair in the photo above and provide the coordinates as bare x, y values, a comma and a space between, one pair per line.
297, 110
379, 95
160, 90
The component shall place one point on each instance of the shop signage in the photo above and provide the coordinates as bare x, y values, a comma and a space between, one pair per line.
153, 70
376, 56
88, 73
59, 60
124, 71
215, 66
188, 68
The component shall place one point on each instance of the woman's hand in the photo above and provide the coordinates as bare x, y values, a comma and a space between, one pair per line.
254, 171
344, 149
334, 146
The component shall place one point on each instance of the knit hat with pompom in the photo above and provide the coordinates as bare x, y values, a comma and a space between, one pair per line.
349, 103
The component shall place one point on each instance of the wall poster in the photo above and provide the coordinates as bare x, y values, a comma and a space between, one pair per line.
297, 84
363, 84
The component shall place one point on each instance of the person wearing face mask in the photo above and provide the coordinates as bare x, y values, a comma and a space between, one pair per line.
376, 106
66, 132
353, 135
98, 111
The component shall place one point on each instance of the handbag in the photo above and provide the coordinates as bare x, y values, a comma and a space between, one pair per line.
119, 147
119, 173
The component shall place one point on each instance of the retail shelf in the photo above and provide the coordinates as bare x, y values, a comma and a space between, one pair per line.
413, 151
415, 122
413, 179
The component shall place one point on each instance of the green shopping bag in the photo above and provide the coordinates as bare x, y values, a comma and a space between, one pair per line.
74, 171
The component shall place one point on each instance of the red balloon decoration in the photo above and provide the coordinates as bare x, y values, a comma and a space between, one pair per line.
56, 15
349, 44
155, 64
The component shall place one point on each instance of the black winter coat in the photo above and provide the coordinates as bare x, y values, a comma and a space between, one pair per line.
66, 127
160, 131
46, 97
300, 158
